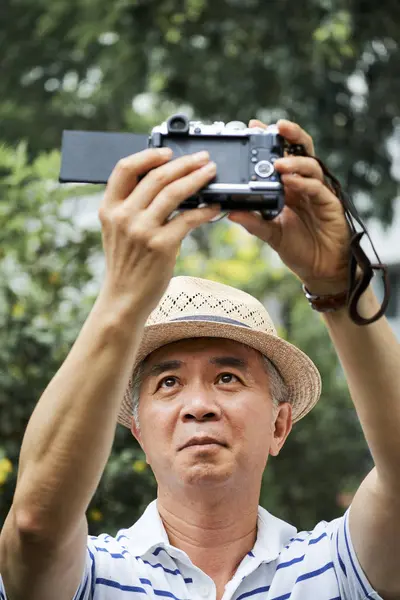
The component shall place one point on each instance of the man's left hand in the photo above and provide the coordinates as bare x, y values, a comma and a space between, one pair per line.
311, 234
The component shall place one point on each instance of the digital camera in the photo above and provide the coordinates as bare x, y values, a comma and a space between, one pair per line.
245, 180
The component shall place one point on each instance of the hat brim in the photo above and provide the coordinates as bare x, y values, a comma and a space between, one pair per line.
296, 368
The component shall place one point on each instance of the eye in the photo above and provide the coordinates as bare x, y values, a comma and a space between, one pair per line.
167, 382
228, 378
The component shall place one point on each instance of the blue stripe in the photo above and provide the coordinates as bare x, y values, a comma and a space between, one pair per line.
251, 554
160, 566
316, 540
113, 555
337, 578
83, 592
158, 592
122, 537
254, 592
157, 551
341, 563
2, 597
315, 573
283, 565
165, 594
284, 597
104, 538
148, 582
351, 558
305, 539
297, 539
119, 586
92, 575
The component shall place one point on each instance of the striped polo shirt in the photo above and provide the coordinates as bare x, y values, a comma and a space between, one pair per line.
140, 563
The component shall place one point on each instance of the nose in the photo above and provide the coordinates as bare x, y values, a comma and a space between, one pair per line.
200, 405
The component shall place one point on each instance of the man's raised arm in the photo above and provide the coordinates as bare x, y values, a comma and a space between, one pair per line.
312, 238
371, 360
69, 436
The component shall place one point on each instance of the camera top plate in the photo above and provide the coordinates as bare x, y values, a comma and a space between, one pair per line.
180, 125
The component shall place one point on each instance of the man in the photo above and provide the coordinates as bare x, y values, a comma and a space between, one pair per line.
219, 392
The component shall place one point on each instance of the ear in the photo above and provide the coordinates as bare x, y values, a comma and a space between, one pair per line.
137, 435
136, 432
281, 427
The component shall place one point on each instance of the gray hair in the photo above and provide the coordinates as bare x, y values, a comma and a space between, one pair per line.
277, 386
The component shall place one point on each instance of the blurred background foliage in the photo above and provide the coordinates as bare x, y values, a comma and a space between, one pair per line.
331, 65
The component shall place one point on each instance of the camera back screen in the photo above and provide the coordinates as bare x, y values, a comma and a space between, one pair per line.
231, 155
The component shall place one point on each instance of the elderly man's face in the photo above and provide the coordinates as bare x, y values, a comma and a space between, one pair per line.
208, 388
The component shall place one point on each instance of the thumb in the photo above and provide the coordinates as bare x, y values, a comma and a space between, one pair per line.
267, 231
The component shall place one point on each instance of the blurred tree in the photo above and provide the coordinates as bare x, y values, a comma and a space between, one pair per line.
49, 278
331, 65
47, 267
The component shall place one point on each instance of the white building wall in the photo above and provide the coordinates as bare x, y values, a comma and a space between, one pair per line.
387, 244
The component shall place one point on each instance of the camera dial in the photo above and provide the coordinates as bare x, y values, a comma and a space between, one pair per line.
235, 125
264, 168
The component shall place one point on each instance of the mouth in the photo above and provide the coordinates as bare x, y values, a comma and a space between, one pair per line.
203, 442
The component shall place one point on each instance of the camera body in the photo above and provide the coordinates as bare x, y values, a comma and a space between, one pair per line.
246, 178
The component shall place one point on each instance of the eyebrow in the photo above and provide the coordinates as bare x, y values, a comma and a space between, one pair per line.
230, 361
167, 365
174, 365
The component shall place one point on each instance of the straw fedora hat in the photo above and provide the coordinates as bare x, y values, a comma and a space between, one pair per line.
194, 308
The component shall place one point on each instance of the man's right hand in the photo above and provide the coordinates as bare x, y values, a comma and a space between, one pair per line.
139, 241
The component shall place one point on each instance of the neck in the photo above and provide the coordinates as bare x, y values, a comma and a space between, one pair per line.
215, 531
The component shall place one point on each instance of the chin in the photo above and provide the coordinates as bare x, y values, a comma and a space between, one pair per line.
206, 474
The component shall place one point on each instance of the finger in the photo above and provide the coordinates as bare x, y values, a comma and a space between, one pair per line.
188, 220
313, 188
268, 231
171, 196
257, 123
155, 181
294, 134
307, 167
125, 174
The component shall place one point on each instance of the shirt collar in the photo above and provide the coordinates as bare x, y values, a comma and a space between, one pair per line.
148, 533
272, 535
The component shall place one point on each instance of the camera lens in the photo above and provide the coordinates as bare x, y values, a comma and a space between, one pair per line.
178, 124
264, 168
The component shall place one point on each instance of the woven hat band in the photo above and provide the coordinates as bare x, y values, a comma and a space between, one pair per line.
211, 318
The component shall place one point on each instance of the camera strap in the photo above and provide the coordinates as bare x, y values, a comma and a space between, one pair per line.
361, 270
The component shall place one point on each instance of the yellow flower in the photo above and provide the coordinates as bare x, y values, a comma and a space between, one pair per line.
95, 515
139, 466
18, 310
5, 469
